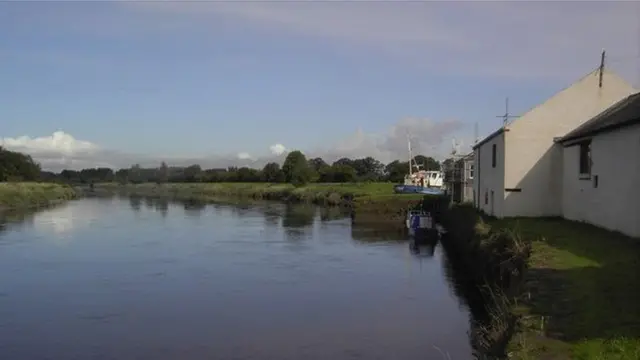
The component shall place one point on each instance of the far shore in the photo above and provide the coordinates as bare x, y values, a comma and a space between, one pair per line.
366, 200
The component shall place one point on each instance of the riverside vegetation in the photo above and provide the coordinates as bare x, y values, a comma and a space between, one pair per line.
30, 195
18, 186
550, 288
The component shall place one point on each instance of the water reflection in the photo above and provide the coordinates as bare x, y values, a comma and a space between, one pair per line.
239, 285
135, 202
424, 245
155, 204
333, 213
193, 208
297, 220
469, 297
272, 213
372, 234
162, 206
14, 219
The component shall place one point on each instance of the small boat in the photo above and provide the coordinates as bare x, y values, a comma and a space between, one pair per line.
420, 182
418, 220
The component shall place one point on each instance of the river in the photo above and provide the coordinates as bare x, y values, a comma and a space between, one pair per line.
118, 278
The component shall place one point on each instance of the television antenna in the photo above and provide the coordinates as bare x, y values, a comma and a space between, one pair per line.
506, 116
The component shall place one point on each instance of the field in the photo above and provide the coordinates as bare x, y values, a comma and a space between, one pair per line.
582, 293
26, 194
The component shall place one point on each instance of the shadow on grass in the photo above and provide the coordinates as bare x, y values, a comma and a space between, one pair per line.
582, 290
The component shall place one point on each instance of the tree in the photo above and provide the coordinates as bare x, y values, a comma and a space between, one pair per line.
343, 161
338, 173
317, 164
122, 175
163, 173
192, 173
447, 167
296, 168
17, 166
272, 173
246, 174
428, 162
396, 170
368, 168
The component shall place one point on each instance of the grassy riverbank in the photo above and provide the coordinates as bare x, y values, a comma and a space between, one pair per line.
578, 298
492, 260
376, 197
28, 194
582, 299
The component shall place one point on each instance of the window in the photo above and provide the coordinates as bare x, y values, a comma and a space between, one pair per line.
585, 158
486, 197
470, 171
493, 155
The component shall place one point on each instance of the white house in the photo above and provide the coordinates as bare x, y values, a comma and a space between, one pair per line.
518, 170
601, 169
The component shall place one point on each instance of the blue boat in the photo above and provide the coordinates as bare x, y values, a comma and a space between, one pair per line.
416, 189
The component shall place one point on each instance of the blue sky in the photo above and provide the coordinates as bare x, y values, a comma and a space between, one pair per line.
213, 80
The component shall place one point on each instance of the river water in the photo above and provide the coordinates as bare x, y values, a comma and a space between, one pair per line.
117, 278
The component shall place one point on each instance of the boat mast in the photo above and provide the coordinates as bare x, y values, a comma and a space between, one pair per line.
410, 157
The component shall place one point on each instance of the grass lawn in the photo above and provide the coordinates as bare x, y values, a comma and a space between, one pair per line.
584, 288
31, 194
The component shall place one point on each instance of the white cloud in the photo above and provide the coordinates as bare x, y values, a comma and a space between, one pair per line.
244, 156
277, 149
428, 137
59, 142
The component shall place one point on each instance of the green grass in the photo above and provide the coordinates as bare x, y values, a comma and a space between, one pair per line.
582, 292
28, 194
330, 194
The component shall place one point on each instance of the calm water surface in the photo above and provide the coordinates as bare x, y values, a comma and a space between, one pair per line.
146, 279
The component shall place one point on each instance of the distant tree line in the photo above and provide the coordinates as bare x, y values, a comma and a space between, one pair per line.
296, 169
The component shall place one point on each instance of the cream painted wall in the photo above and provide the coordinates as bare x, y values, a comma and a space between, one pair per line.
488, 179
532, 163
615, 203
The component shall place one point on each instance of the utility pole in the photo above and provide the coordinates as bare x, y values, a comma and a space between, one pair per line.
601, 67
506, 116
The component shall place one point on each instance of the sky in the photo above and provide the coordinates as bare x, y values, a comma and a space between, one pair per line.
112, 83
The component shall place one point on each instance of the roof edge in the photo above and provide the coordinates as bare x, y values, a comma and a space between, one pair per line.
605, 129
489, 137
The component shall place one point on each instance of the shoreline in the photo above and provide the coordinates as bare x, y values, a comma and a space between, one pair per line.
33, 195
365, 200
369, 204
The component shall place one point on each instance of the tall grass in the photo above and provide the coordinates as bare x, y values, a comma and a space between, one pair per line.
495, 260
31, 194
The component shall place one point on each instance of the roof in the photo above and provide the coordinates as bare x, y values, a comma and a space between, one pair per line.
624, 113
594, 72
488, 138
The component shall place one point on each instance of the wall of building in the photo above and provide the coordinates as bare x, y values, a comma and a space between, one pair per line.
488, 179
615, 203
533, 164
